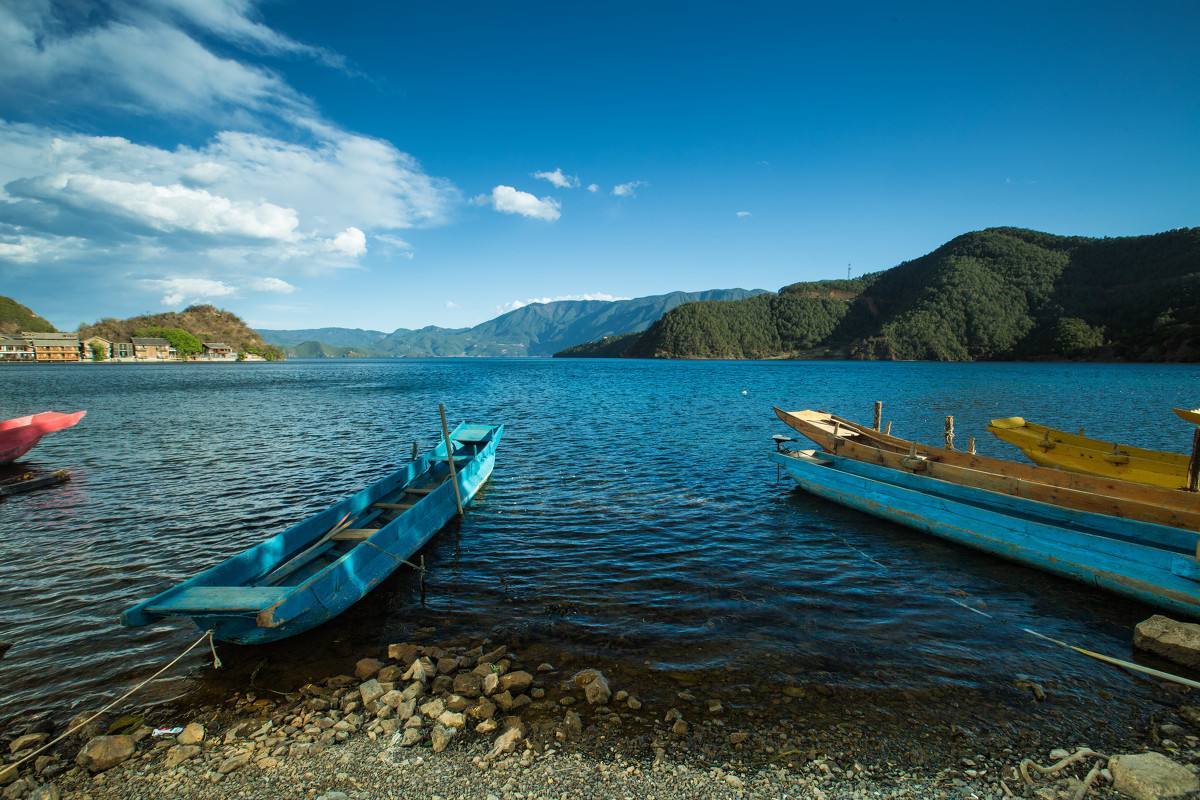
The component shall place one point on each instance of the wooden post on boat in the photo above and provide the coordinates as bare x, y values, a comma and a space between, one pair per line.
888, 430
416, 451
949, 433
450, 458
878, 415
1193, 473
971, 445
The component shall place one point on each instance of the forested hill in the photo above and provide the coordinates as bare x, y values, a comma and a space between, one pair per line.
205, 323
1000, 293
15, 318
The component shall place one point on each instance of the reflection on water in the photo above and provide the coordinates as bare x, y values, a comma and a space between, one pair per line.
633, 513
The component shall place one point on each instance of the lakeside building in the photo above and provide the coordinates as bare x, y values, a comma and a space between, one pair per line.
121, 350
153, 348
217, 351
89, 346
52, 346
15, 348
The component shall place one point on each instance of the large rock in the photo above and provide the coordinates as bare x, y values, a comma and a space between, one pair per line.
179, 754
25, 742
441, 736
404, 653
468, 684
367, 668
370, 691
506, 742
1151, 776
104, 752
1178, 641
516, 682
192, 733
234, 762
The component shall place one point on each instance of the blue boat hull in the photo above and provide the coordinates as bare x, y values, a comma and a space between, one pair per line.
1155, 564
302, 577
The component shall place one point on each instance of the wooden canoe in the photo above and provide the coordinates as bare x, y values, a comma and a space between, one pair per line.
319, 567
1089, 493
19, 435
1150, 563
1050, 447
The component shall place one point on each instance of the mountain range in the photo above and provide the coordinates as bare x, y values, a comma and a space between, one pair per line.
537, 329
999, 293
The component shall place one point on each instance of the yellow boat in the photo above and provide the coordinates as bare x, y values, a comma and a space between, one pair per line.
1049, 447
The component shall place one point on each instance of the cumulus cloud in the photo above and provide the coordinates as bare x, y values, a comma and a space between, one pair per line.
593, 187
510, 200
742, 214
351, 242
513, 305
628, 189
558, 179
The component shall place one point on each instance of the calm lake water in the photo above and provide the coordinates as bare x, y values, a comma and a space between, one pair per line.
632, 513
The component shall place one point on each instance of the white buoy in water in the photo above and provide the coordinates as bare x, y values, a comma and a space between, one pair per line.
744, 393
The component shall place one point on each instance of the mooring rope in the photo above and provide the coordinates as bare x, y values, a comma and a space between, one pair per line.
216, 665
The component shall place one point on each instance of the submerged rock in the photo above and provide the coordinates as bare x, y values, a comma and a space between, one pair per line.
367, 668
27, 741
1151, 776
1177, 641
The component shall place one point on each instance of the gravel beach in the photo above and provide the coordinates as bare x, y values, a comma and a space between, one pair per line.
485, 721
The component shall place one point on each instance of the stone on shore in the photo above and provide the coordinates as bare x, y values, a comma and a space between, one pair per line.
180, 753
234, 762
371, 691
441, 736
1151, 776
491, 682
367, 668
404, 653
506, 742
25, 742
193, 733
104, 752
1177, 641
468, 684
516, 682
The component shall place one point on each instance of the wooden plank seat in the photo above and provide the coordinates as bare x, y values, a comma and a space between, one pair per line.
421, 490
353, 534
220, 599
393, 506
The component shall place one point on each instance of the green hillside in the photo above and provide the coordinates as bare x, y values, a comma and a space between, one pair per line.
205, 322
1000, 293
15, 318
322, 350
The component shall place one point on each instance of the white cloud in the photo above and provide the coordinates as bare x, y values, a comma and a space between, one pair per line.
180, 290
558, 179
513, 201
742, 214
452, 305
271, 285
513, 305
351, 242
628, 189
593, 187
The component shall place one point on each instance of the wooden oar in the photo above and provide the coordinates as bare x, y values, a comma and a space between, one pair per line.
450, 458
282, 569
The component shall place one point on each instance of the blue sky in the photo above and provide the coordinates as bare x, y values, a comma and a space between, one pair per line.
377, 165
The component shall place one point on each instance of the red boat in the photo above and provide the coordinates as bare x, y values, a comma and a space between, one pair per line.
18, 436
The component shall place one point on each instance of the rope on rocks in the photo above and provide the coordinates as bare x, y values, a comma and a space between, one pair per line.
208, 635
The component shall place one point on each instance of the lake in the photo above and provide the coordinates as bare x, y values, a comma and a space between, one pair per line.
633, 514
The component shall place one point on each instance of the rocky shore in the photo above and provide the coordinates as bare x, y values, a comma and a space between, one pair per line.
482, 720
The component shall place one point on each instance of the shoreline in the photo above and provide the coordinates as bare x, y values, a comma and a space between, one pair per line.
474, 719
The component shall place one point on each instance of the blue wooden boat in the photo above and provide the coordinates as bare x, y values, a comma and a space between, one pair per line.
318, 568
1153, 563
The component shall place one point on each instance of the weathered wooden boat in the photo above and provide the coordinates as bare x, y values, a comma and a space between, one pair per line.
1075, 452
1089, 493
31, 482
19, 435
318, 568
1152, 563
